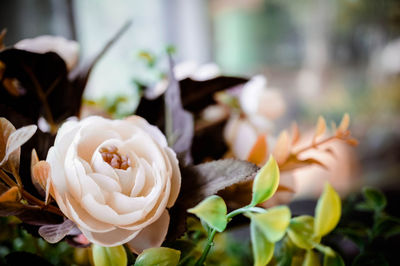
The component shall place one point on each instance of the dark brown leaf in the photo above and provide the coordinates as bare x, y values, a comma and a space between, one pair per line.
206, 179
28, 214
179, 123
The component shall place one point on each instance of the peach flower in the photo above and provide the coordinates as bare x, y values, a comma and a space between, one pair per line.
115, 179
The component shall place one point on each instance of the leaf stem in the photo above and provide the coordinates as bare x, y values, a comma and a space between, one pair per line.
211, 235
210, 243
7, 179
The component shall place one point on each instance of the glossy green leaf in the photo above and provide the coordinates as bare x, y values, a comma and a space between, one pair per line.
109, 256
158, 256
262, 248
374, 198
301, 232
266, 182
273, 223
213, 211
311, 259
335, 260
327, 212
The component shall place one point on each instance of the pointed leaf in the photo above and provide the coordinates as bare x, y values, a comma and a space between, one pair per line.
258, 153
282, 147
266, 182
11, 195
179, 123
301, 232
333, 260
374, 198
213, 211
273, 223
311, 259
14, 143
6, 129
158, 256
206, 179
320, 128
295, 133
109, 256
54, 233
262, 248
327, 212
344, 124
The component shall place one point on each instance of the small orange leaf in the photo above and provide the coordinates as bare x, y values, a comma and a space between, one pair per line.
344, 124
283, 188
295, 133
11, 195
320, 128
258, 153
41, 177
282, 148
352, 142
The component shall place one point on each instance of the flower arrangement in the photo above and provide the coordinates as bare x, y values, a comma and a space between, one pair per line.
162, 186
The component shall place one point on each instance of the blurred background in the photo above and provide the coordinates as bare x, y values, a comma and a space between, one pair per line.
326, 57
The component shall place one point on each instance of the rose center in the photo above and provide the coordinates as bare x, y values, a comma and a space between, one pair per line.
112, 157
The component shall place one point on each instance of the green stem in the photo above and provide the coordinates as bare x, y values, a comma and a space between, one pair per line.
211, 235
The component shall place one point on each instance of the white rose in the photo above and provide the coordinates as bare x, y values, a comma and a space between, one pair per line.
68, 50
115, 179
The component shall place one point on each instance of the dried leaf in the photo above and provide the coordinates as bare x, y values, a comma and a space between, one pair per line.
179, 123
14, 143
6, 129
320, 128
282, 148
295, 133
258, 154
54, 233
28, 214
41, 177
203, 180
344, 124
352, 142
293, 163
11, 195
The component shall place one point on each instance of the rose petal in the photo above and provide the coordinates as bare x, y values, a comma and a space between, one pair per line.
151, 236
115, 237
153, 131
84, 220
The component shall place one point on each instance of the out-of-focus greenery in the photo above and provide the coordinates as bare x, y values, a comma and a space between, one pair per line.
14, 238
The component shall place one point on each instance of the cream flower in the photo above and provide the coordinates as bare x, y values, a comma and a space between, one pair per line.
68, 50
115, 179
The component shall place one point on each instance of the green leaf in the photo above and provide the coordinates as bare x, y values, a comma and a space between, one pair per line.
311, 259
109, 256
266, 182
213, 211
375, 198
158, 256
333, 260
301, 232
262, 248
273, 223
327, 212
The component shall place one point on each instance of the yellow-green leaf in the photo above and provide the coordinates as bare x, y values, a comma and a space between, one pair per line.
266, 182
109, 256
327, 212
311, 259
335, 260
158, 256
213, 211
262, 248
273, 223
301, 232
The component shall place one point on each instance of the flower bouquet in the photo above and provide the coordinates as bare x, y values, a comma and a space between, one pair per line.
164, 186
